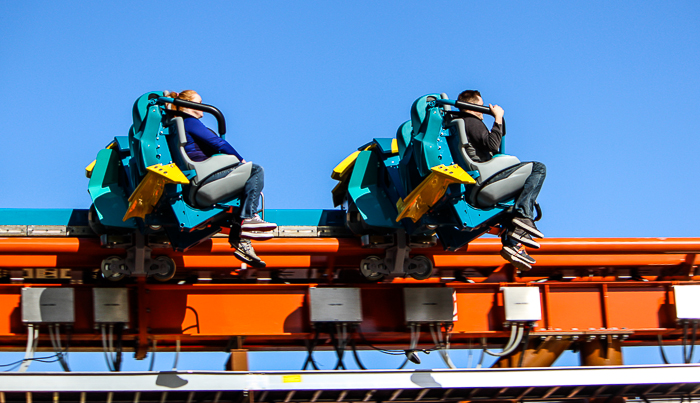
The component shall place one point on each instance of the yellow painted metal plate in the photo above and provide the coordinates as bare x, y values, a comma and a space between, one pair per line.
150, 190
431, 190
345, 166
89, 168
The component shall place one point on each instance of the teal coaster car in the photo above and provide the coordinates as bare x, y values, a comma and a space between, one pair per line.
406, 192
145, 190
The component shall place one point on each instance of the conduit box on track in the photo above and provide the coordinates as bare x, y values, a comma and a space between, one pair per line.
687, 299
48, 305
111, 305
522, 304
335, 304
429, 305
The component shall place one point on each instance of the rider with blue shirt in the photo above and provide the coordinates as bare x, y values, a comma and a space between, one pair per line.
203, 143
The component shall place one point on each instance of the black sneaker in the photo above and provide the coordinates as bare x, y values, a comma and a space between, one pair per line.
245, 253
521, 252
516, 259
528, 225
524, 238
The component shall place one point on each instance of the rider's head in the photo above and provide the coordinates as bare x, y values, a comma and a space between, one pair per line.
472, 97
192, 96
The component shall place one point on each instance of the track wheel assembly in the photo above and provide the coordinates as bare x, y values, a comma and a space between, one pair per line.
420, 267
372, 268
108, 269
169, 263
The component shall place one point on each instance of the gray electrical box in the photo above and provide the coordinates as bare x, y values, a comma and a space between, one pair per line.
111, 305
335, 304
48, 305
687, 299
522, 304
429, 305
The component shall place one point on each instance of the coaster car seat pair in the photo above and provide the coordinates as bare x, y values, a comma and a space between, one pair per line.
399, 192
144, 185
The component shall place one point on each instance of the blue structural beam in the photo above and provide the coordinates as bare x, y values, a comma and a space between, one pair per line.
79, 217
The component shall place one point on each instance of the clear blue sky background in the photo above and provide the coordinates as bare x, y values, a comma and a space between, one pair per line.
606, 94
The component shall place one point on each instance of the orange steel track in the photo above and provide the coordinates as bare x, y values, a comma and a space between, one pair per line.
620, 287
266, 316
285, 253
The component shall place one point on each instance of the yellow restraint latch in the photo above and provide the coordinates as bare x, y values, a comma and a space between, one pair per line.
89, 169
341, 169
425, 195
151, 187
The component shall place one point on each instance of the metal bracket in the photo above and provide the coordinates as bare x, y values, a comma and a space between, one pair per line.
396, 258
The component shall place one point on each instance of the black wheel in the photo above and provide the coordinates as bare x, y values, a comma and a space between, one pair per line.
171, 269
108, 273
421, 267
369, 268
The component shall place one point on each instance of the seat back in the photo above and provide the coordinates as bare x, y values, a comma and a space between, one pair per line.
403, 137
485, 193
459, 145
203, 192
203, 169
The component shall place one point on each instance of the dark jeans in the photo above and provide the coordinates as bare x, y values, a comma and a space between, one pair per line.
525, 202
251, 192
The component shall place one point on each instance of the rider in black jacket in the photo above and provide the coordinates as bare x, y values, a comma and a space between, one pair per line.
483, 144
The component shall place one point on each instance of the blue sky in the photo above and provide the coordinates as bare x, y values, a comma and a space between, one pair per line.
606, 94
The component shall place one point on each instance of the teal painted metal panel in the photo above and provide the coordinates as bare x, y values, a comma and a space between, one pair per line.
18, 216
384, 144
305, 217
374, 205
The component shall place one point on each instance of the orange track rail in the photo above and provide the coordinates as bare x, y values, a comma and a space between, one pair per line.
321, 252
587, 300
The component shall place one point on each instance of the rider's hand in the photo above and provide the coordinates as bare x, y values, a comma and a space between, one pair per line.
497, 112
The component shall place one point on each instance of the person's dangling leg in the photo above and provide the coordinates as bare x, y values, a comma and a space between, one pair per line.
249, 208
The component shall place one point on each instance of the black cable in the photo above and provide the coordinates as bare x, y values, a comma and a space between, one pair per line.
46, 360
153, 357
54, 336
685, 341
310, 348
339, 347
661, 348
524, 346
694, 340
388, 352
354, 352
117, 363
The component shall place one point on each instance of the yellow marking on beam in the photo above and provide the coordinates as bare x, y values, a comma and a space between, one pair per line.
431, 190
291, 378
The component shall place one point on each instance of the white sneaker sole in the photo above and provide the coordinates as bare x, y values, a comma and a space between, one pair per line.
259, 227
529, 242
516, 261
258, 236
258, 264
513, 251
532, 231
